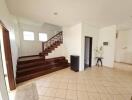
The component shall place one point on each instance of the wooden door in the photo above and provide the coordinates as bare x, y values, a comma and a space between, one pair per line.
8, 58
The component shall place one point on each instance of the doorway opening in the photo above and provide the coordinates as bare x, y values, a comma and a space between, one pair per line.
88, 52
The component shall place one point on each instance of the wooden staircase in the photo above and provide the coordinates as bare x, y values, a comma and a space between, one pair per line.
31, 67
51, 44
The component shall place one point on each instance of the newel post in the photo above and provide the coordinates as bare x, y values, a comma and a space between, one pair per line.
43, 43
42, 46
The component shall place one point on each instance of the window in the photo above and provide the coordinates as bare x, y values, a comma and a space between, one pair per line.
42, 37
28, 35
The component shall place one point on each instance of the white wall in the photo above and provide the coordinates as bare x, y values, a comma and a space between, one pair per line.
59, 51
26, 47
74, 37
3, 89
124, 47
108, 34
0, 96
10, 24
72, 41
91, 31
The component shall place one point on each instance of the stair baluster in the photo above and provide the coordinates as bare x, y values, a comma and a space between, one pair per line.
51, 44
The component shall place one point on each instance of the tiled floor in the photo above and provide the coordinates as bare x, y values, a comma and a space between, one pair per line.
95, 83
123, 66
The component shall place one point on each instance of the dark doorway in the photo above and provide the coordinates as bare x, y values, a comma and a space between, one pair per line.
8, 58
88, 52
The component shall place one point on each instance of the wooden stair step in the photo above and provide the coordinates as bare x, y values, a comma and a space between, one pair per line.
37, 60
48, 50
40, 60
39, 68
30, 61
34, 68
28, 65
34, 75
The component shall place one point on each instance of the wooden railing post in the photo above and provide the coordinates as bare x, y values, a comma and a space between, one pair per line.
42, 46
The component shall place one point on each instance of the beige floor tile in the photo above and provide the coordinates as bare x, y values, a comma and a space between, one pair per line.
72, 86
42, 84
127, 97
82, 95
123, 90
65, 80
56, 80
72, 81
129, 90
81, 81
106, 97
106, 83
53, 85
81, 87
41, 90
112, 90
118, 97
91, 84
63, 85
94, 96
50, 92
91, 89
71, 95
58, 99
45, 98
122, 66
60, 93
102, 89
100, 83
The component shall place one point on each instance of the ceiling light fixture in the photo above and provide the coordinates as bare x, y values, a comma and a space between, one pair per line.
55, 13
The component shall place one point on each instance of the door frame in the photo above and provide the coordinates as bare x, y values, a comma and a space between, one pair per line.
90, 51
8, 57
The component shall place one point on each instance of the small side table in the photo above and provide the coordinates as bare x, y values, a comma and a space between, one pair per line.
99, 59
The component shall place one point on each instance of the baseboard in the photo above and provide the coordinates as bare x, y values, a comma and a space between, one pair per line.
126, 63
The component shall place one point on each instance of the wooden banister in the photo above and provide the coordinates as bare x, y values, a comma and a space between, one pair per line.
56, 38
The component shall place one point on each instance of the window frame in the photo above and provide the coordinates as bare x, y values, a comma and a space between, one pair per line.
25, 36
43, 37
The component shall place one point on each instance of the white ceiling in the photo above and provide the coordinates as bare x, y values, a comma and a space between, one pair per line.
125, 25
95, 12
